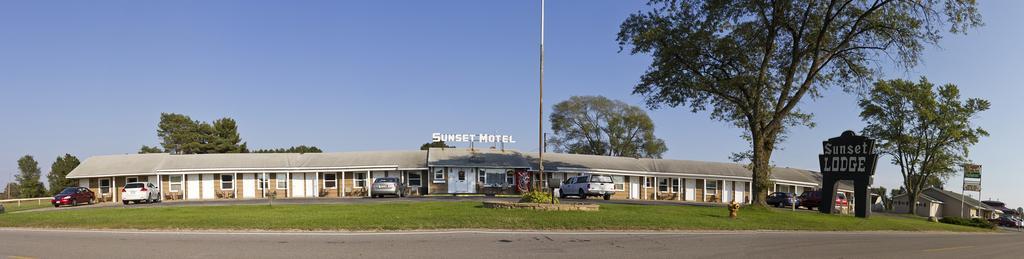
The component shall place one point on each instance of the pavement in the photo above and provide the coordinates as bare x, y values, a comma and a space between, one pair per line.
40, 243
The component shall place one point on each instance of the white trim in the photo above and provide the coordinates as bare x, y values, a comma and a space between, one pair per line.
335, 180
356, 179
170, 183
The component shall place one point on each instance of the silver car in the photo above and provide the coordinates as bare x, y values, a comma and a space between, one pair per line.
388, 186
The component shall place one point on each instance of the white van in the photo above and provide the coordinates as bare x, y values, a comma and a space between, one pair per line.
587, 185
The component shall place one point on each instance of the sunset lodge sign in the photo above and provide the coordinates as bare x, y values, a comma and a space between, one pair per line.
847, 157
848, 153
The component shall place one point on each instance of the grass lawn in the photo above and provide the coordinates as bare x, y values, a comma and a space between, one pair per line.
25, 205
456, 215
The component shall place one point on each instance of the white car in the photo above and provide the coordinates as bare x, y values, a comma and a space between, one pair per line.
587, 185
139, 192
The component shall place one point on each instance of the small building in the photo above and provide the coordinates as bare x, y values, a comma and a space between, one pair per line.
940, 203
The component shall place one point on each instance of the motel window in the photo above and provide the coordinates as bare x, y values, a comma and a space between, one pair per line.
131, 180
174, 182
712, 186
330, 180
510, 178
482, 175
494, 177
414, 179
359, 180
675, 185
647, 182
663, 185
262, 179
620, 182
282, 181
104, 185
462, 175
439, 176
227, 182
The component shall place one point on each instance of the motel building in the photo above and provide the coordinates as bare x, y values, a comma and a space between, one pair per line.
437, 171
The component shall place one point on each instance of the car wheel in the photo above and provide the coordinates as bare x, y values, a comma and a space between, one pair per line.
74, 203
90, 201
582, 194
56, 205
561, 195
125, 202
607, 197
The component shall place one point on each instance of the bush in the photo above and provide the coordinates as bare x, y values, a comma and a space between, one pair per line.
537, 197
975, 222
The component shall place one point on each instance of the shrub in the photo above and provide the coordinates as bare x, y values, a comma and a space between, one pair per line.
537, 197
975, 222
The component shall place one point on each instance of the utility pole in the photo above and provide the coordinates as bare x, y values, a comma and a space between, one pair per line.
540, 111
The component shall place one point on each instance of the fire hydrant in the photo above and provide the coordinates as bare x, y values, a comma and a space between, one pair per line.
733, 208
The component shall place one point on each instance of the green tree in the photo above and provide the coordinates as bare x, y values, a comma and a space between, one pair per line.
439, 144
596, 125
147, 150
752, 63
11, 191
59, 172
295, 149
925, 129
180, 134
29, 185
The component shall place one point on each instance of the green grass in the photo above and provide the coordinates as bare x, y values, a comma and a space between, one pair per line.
456, 215
25, 205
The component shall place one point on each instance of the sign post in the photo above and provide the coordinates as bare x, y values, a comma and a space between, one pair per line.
847, 157
971, 171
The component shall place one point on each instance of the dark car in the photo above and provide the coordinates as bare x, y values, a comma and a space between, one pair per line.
1006, 221
73, 196
811, 200
782, 199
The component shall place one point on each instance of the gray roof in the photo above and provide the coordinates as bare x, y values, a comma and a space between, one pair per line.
118, 165
139, 164
570, 162
935, 192
462, 157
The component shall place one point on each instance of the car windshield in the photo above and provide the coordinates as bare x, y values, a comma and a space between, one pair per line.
387, 180
67, 191
600, 179
133, 185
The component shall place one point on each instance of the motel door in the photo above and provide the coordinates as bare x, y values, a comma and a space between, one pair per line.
461, 180
208, 183
192, 186
634, 187
248, 186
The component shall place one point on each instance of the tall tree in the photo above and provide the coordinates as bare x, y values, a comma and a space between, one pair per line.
180, 134
29, 185
925, 129
439, 144
752, 62
147, 150
295, 149
599, 126
59, 172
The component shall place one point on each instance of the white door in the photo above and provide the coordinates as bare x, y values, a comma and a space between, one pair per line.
461, 180
208, 187
740, 188
248, 186
691, 189
727, 192
298, 185
310, 188
192, 186
634, 187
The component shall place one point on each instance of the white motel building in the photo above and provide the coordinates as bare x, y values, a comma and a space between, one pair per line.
437, 171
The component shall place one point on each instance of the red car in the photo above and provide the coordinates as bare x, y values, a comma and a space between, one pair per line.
811, 200
73, 196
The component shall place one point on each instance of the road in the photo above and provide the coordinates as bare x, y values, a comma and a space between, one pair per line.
32, 243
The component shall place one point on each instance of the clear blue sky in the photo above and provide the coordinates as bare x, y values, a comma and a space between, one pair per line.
92, 78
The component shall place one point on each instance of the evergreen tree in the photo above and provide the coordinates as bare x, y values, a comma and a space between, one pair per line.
29, 185
59, 172
439, 144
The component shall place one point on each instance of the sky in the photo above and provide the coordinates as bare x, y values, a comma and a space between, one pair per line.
91, 78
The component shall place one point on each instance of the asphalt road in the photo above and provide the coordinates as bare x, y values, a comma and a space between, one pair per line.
28, 243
